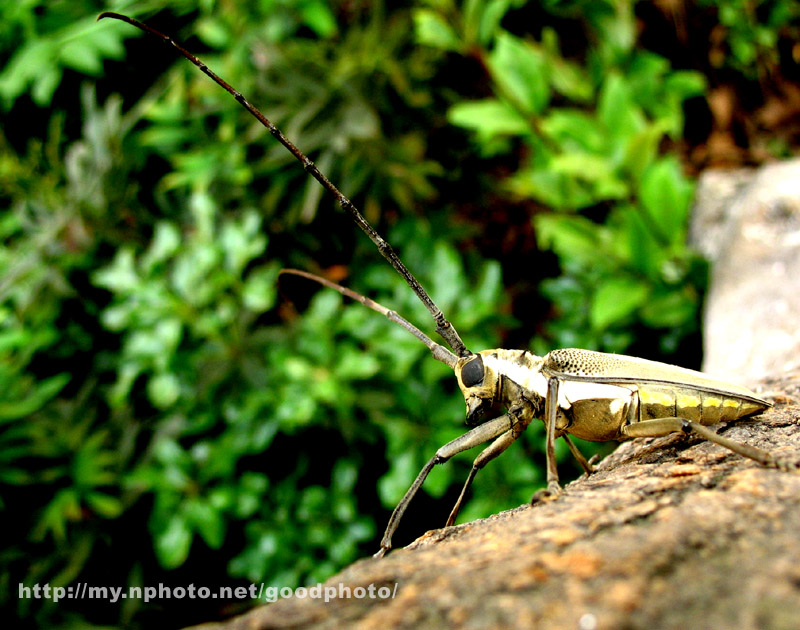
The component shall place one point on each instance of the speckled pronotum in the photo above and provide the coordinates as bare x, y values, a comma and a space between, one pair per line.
591, 395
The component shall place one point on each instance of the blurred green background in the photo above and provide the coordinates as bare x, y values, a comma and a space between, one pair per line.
172, 413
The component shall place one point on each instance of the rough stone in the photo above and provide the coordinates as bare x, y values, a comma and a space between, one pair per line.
748, 223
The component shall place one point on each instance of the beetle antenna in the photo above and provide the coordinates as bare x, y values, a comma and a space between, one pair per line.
443, 327
440, 353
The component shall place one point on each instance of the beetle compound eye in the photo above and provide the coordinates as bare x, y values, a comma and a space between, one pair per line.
472, 372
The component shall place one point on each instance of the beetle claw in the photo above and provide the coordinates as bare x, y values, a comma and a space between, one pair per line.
787, 464
551, 493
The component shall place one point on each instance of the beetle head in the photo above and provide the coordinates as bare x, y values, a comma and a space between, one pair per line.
480, 385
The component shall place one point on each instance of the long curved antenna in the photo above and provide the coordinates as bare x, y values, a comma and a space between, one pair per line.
440, 353
443, 327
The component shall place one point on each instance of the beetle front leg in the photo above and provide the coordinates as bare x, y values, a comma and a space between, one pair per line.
480, 434
553, 489
521, 416
486, 455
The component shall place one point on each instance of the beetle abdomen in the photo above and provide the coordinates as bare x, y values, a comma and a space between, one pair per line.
699, 405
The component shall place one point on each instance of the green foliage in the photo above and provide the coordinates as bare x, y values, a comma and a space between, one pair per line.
751, 33
60, 464
151, 384
592, 136
38, 50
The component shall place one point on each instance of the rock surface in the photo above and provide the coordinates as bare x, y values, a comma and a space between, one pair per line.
747, 223
668, 533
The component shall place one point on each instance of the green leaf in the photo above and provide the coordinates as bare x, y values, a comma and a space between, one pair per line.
45, 85
574, 129
567, 78
242, 241
317, 15
35, 58
81, 55
166, 242
596, 171
163, 390
173, 539
664, 310
685, 84
259, 291
617, 109
520, 71
639, 241
121, 275
616, 26
488, 118
34, 400
615, 299
642, 149
430, 29
554, 189
571, 237
63, 507
207, 521
666, 196
103, 504
356, 366
482, 19
213, 33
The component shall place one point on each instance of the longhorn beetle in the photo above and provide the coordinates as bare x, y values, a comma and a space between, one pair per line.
591, 395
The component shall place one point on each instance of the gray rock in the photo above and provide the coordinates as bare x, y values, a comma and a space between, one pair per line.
747, 222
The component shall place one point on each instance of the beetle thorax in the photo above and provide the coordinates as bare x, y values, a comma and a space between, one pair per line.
518, 366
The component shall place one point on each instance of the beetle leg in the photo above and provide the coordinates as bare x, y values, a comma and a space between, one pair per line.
480, 434
658, 427
521, 416
486, 455
586, 465
553, 489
